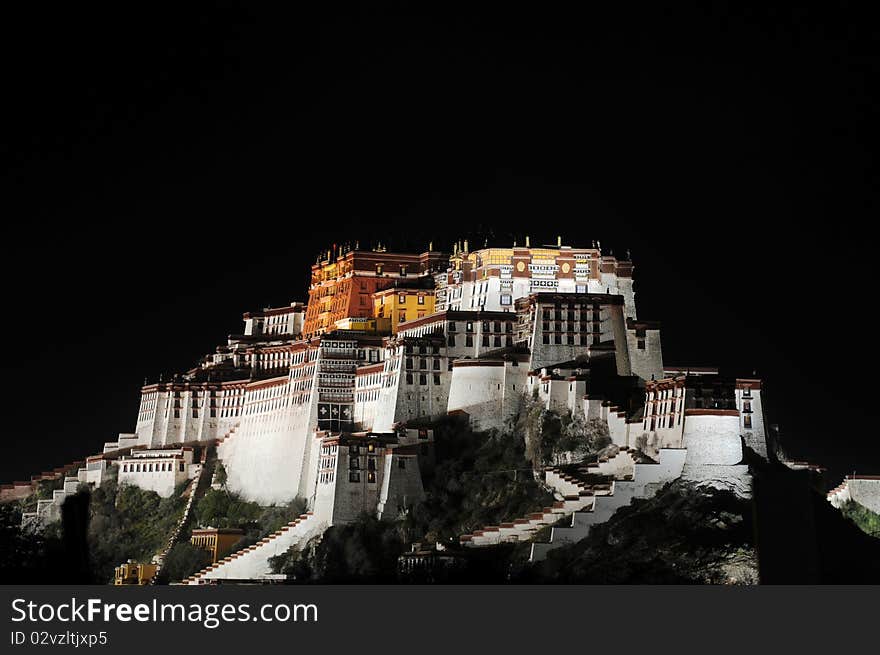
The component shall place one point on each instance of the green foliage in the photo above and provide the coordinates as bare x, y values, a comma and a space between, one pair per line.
364, 551
868, 521
220, 508
479, 479
682, 535
129, 523
28, 558
220, 474
183, 560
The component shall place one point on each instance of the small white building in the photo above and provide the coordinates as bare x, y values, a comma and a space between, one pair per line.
157, 470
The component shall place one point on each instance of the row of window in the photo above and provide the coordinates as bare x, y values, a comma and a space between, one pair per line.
488, 326
152, 467
423, 363
423, 379
573, 339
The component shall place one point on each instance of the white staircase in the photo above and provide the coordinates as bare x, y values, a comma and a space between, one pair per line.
573, 495
644, 482
49, 510
252, 563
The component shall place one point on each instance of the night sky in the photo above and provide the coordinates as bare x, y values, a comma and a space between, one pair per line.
165, 172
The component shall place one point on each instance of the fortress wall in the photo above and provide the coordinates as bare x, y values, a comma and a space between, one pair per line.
618, 429
515, 383
712, 438
756, 437
386, 408
162, 482
265, 458
865, 491
714, 450
625, 289
401, 487
355, 497
325, 493
478, 389
646, 363
618, 332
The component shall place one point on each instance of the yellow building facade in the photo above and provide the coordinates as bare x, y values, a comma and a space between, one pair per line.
402, 305
217, 541
132, 573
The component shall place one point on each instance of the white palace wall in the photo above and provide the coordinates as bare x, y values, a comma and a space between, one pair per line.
714, 450
264, 459
489, 391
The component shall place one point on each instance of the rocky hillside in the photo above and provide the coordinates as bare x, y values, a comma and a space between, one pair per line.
682, 535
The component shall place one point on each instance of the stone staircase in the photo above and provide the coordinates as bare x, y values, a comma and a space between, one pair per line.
252, 563
646, 479
49, 510
197, 487
574, 494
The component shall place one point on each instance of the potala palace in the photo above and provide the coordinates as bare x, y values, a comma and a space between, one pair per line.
333, 400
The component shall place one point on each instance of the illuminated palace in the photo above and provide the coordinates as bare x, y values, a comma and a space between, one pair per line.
333, 401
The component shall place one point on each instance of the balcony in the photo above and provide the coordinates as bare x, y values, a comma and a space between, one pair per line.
332, 396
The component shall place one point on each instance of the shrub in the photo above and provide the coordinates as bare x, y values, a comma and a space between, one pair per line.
867, 520
182, 561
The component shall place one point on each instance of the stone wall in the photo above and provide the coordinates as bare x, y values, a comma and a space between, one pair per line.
489, 391
714, 450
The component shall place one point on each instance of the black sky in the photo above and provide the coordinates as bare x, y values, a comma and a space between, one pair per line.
164, 171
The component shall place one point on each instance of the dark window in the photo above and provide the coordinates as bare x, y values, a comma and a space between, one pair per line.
546, 338
451, 340
557, 338
354, 476
423, 363
354, 462
641, 344
497, 342
409, 362
436, 363
570, 339
401, 463
371, 463
409, 378
436, 379
485, 339
423, 379
469, 341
